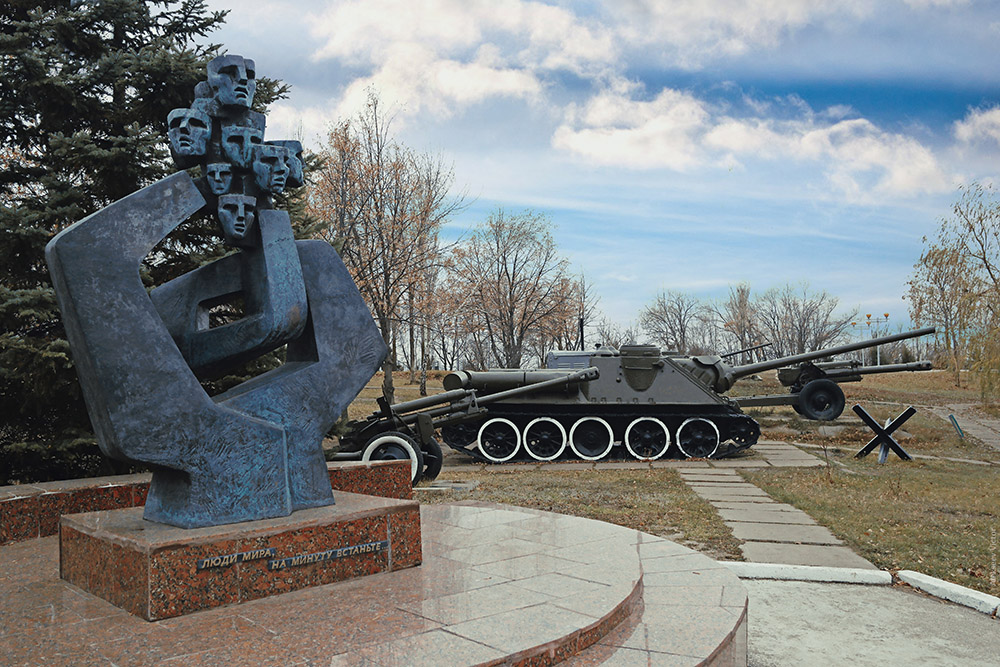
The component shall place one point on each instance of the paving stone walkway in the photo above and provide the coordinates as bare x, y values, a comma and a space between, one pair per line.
773, 532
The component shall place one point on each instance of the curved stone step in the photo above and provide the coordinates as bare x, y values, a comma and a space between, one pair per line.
498, 585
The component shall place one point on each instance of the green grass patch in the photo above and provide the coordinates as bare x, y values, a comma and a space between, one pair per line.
937, 517
653, 501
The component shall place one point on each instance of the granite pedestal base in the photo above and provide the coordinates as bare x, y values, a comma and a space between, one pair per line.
157, 571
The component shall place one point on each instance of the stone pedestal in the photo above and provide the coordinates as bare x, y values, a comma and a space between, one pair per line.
157, 571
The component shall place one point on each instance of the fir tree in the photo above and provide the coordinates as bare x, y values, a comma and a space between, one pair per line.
85, 88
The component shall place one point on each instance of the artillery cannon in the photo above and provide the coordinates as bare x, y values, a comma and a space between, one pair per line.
814, 391
406, 430
653, 404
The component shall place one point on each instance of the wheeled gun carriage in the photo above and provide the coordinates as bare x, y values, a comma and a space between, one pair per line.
406, 430
814, 391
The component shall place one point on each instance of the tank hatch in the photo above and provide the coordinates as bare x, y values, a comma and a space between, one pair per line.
640, 365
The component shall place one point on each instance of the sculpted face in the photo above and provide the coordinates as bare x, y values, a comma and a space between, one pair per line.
270, 168
293, 160
188, 131
233, 81
236, 214
219, 176
238, 143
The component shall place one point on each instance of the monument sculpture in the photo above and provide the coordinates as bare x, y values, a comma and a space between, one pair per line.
255, 451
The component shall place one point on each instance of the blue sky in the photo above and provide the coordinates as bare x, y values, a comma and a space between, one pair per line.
683, 145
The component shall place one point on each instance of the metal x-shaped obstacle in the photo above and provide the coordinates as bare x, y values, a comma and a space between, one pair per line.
883, 435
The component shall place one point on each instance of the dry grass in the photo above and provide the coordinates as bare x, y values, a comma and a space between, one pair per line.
936, 517
653, 501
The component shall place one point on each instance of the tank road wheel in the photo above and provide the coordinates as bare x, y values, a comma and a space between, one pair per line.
646, 438
459, 436
822, 400
499, 440
698, 438
544, 439
433, 458
591, 438
395, 446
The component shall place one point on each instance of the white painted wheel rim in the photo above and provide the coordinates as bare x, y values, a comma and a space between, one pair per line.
698, 419
562, 432
517, 438
611, 439
666, 434
382, 439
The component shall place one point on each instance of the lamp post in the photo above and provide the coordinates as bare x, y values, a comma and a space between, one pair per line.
868, 322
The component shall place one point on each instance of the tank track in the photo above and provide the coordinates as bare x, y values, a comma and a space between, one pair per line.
609, 433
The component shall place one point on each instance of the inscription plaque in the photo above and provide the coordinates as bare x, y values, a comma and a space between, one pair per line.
230, 559
331, 554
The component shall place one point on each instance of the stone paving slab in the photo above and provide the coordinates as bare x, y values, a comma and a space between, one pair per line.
766, 516
682, 465
717, 485
714, 497
803, 554
738, 463
788, 533
803, 623
710, 492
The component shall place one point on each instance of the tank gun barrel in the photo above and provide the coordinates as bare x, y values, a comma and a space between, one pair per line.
490, 382
584, 375
750, 369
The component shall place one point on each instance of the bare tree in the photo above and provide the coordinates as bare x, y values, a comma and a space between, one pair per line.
383, 205
611, 334
516, 284
671, 319
796, 320
737, 318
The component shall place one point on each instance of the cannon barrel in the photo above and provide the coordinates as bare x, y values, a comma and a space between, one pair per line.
490, 382
750, 369
888, 368
428, 401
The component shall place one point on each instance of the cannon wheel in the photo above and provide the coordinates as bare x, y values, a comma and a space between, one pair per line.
822, 400
460, 435
433, 458
396, 446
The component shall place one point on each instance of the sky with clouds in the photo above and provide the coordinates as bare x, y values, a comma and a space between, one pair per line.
685, 144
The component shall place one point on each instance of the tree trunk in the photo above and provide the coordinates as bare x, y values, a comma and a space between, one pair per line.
413, 358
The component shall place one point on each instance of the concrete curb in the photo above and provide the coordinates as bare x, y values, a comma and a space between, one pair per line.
939, 588
982, 602
837, 575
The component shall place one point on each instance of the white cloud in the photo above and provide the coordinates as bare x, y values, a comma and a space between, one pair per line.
445, 54
927, 4
306, 124
414, 79
613, 129
693, 31
677, 131
979, 124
